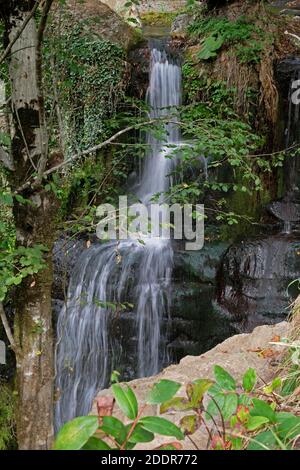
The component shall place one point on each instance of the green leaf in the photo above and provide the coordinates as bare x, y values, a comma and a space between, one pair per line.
162, 391
288, 426
261, 408
176, 403
74, 434
256, 422
189, 424
249, 380
229, 406
139, 434
161, 426
215, 405
197, 389
263, 441
94, 443
224, 379
210, 45
114, 427
126, 400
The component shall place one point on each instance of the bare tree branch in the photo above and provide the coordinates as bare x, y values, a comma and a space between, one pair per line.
20, 31
34, 182
7, 330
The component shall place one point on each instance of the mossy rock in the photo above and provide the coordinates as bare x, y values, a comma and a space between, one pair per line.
155, 18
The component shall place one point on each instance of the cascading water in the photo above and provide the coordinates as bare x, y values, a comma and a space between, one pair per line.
86, 351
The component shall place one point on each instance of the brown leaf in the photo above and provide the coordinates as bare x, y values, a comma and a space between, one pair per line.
217, 443
275, 339
105, 406
189, 424
170, 446
268, 353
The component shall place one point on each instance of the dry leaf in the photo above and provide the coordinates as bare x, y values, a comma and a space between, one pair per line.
32, 284
267, 353
88, 243
105, 406
275, 339
175, 444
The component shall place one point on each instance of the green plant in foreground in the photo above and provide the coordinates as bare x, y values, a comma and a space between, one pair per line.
234, 417
7, 437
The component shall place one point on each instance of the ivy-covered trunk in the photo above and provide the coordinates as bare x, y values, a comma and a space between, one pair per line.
34, 221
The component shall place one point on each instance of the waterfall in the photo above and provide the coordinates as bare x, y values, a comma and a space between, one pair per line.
86, 350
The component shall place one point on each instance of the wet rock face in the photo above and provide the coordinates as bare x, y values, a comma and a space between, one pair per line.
193, 326
288, 75
254, 278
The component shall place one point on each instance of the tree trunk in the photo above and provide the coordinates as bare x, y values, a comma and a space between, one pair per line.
34, 225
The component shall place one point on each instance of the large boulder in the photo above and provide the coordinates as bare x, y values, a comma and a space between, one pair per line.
101, 20
236, 355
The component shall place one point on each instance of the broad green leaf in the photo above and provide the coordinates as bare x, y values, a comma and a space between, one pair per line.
176, 403
256, 422
210, 45
139, 434
263, 441
288, 426
114, 427
94, 443
229, 406
161, 426
224, 379
126, 400
74, 434
189, 424
215, 405
249, 380
162, 391
261, 408
237, 443
197, 390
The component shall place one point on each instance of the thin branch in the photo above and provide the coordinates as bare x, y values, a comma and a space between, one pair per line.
133, 426
24, 139
20, 31
293, 35
105, 143
90, 150
7, 329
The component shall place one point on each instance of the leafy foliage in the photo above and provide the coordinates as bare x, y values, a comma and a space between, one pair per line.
88, 75
7, 423
242, 417
80, 432
217, 32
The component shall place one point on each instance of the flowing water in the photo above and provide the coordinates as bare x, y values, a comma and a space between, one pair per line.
86, 353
